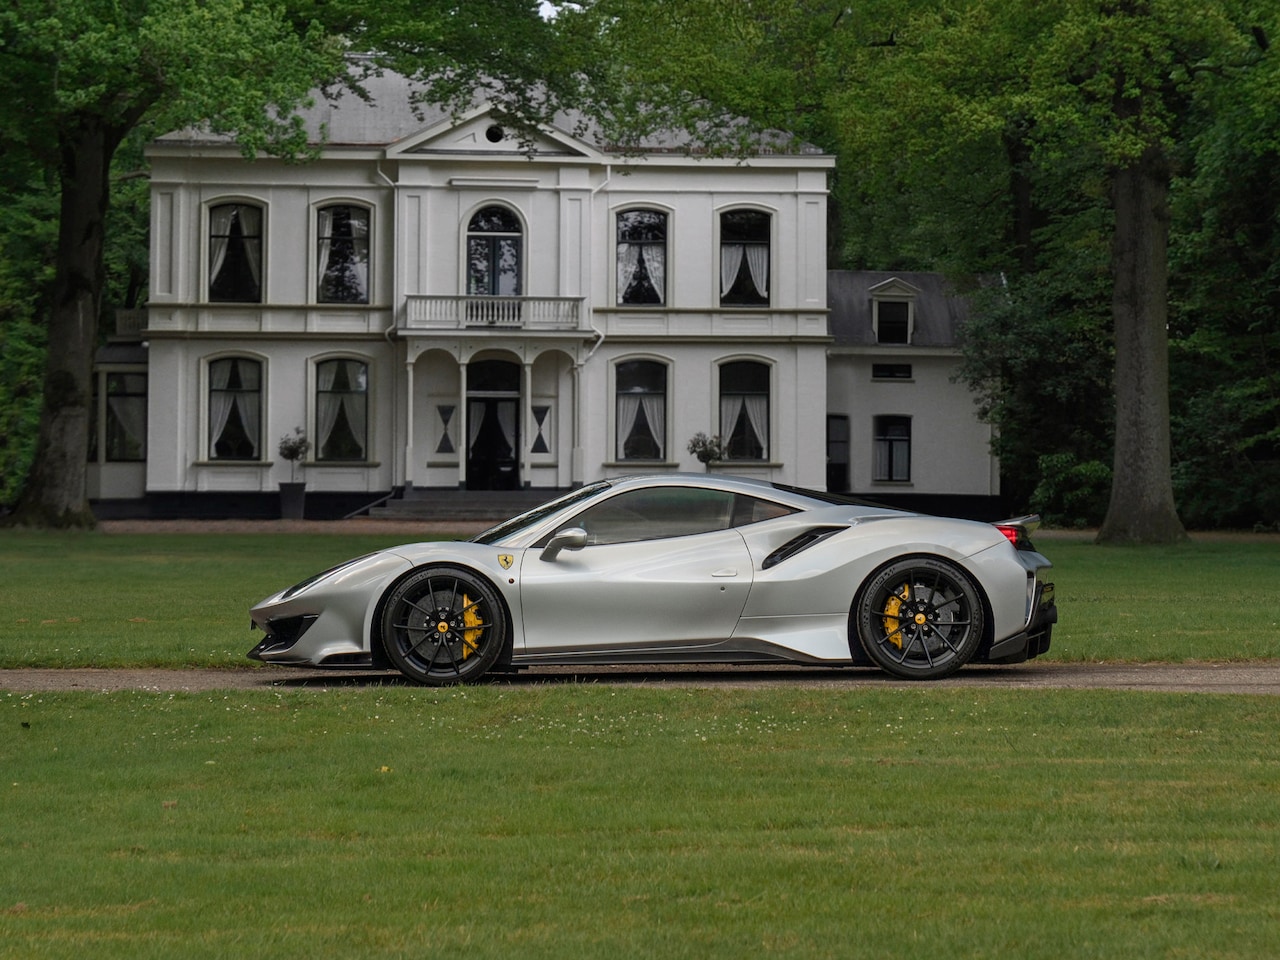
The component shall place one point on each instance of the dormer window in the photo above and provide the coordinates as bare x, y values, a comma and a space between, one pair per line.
893, 308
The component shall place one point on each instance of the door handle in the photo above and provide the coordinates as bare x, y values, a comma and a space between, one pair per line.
725, 572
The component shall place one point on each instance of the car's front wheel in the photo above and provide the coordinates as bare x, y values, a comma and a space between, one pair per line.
919, 618
443, 625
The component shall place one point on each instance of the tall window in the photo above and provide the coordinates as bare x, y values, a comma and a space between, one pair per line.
891, 454
235, 253
642, 409
744, 410
494, 245
744, 258
342, 258
342, 410
235, 409
642, 257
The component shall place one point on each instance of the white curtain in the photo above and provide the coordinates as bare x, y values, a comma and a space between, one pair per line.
131, 414
758, 416
730, 262
628, 410
655, 408
357, 404
219, 234
730, 407
251, 228
655, 259
507, 421
757, 255
220, 400
327, 403
324, 227
628, 266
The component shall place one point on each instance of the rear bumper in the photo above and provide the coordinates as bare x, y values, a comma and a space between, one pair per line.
1032, 641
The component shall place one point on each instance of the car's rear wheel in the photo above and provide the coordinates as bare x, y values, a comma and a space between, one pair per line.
443, 625
919, 618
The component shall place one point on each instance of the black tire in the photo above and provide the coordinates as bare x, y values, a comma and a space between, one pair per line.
919, 618
443, 625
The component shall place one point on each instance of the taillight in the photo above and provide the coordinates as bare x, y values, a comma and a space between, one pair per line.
1012, 534
1018, 531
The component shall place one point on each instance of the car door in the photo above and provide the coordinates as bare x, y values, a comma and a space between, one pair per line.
660, 567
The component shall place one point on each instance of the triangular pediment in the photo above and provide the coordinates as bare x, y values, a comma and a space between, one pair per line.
480, 134
894, 287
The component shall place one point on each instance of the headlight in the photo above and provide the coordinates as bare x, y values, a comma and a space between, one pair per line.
324, 574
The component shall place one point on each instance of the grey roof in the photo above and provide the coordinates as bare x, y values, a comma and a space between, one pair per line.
394, 110
939, 310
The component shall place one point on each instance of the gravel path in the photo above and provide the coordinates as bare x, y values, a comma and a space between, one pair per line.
1260, 677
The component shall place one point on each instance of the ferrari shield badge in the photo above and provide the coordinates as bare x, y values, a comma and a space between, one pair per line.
506, 559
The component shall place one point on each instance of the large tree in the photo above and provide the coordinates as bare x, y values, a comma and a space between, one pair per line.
83, 75
1007, 109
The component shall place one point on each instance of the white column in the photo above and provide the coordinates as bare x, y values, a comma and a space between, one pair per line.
408, 424
464, 428
526, 423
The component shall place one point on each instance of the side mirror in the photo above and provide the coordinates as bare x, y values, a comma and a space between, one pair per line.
571, 538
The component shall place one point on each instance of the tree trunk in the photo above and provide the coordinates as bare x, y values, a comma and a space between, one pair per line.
55, 493
1142, 508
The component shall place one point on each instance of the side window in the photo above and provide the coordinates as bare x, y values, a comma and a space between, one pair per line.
642, 257
342, 410
235, 409
744, 258
891, 450
656, 513
744, 410
235, 253
641, 409
342, 255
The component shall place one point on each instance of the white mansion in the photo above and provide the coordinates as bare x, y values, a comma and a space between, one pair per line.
440, 306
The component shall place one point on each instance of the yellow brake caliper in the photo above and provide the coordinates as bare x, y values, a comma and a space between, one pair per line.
892, 608
470, 620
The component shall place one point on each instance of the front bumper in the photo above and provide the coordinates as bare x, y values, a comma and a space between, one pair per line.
1032, 641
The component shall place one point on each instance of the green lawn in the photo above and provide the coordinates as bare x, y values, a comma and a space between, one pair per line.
569, 820
91, 599
576, 820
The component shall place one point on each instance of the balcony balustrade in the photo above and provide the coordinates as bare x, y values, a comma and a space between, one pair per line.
501, 313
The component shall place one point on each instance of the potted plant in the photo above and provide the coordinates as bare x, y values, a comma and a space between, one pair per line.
293, 447
706, 448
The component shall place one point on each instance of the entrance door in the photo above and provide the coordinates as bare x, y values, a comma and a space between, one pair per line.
493, 425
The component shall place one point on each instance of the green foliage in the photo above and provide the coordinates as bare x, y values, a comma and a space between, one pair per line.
1071, 493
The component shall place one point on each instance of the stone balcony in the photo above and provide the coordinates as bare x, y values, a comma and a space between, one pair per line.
494, 313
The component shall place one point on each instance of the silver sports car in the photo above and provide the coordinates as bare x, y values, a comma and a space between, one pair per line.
678, 569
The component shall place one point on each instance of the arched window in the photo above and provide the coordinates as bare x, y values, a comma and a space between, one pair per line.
744, 258
342, 410
342, 255
494, 251
235, 409
744, 410
235, 253
642, 257
641, 387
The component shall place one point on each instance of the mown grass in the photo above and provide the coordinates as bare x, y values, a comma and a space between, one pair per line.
590, 821
87, 599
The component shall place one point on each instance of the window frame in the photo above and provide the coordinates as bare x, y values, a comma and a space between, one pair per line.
468, 234
314, 390
884, 447
910, 304
726, 432
619, 441
664, 290
319, 275
723, 293
209, 275
207, 440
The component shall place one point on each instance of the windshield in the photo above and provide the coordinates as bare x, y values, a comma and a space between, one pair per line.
509, 528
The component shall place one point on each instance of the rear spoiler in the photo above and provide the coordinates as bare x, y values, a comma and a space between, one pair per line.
1019, 529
